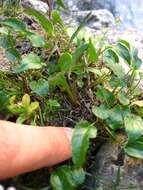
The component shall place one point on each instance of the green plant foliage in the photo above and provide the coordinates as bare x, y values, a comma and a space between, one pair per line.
52, 106
40, 87
26, 110
15, 24
53, 78
67, 177
135, 149
133, 127
93, 55
102, 111
80, 142
31, 61
45, 23
74, 35
36, 40
124, 52
65, 63
61, 4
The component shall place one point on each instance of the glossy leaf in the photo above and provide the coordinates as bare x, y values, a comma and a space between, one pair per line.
45, 23
33, 106
136, 61
36, 40
52, 106
112, 55
4, 42
116, 117
40, 87
80, 141
124, 52
105, 95
133, 126
102, 111
26, 100
67, 177
12, 54
65, 62
93, 55
60, 81
30, 61
135, 149
79, 52
56, 17
117, 68
123, 98
15, 24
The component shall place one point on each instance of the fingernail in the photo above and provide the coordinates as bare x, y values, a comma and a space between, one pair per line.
69, 133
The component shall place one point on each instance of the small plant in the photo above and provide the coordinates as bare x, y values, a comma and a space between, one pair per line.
25, 110
61, 75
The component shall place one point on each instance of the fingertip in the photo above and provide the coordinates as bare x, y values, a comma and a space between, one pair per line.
69, 133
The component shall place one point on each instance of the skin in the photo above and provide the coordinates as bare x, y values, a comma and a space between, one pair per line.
25, 148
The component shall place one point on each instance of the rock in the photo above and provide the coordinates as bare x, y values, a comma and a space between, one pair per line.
111, 162
98, 19
90, 4
38, 5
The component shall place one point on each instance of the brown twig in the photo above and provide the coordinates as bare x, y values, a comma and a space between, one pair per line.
50, 5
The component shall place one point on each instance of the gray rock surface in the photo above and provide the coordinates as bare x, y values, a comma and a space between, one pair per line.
115, 170
37, 4
130, 11
99, 18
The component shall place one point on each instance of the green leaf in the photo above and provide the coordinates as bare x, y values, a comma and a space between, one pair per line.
26, 100
115, 120
124, 52
12, 54
33, 106
82, 24
45, 23
112, 55
93, 55
15, 24
40, 87
133, 126
79, 52
102, 111
61, 4
21, 119
56, 17
52, 106
80, 141
30, 61
123, 98
117, 69
67, 177
36, 40
125, 43
136, 61
60, 81
4, 42
105, 95
65, 62
135, 149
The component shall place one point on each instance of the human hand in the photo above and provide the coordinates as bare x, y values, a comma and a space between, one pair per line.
24, 148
